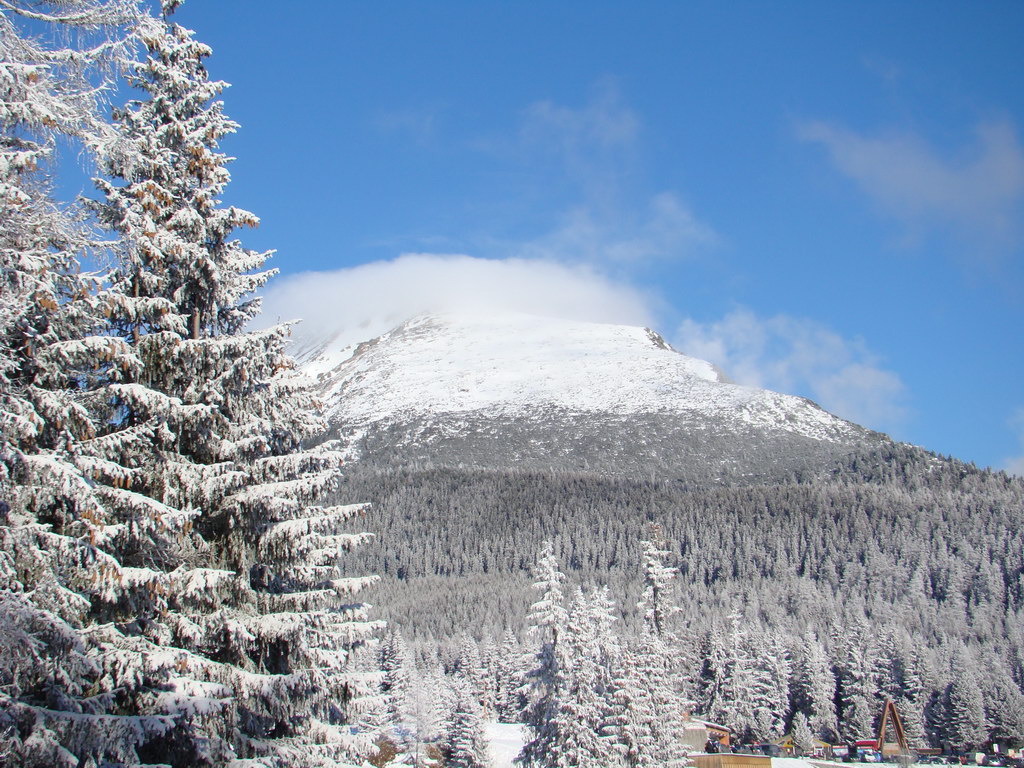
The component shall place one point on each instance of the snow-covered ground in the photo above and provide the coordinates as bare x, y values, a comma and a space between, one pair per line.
790, 762
506, 742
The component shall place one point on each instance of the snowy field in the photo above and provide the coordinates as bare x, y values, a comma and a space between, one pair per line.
506, 741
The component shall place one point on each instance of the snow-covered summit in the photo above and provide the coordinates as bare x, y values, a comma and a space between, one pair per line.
504, 389
450, 363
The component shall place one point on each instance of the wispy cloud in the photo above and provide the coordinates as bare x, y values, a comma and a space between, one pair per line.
889, 71
978, 190
665, 228
594, 143
362, 302
586, 162
419, 124
800, 356
605, 121
1015, 464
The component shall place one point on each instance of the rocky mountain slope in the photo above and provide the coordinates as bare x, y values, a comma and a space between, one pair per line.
493, 391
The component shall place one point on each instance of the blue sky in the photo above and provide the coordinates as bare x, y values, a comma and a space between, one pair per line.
824, 198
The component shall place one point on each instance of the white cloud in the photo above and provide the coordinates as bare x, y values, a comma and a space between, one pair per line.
1015, 465
791, 355
979, 191
800, 356
364, 301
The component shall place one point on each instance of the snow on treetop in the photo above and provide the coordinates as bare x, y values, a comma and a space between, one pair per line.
515, 364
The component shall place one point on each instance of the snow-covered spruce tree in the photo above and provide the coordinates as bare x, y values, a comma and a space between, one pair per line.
770, 685
914, 696
546, 681
803, 737
59, 705
650, 707
582, 727
509, 679
201, 456
585, 721
1004, 709
464, 741
711, 674
966, 726
49, 350
576, 728
855, 683
471, 666
900, 678
737, 699
399, 671
655, 602
412, 700
814, 689
489, 662
430, 702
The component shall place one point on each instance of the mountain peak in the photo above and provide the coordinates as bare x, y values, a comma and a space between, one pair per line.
561, 386
453, 362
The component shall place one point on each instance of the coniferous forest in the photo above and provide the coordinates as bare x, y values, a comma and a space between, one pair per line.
187, 563
895, 574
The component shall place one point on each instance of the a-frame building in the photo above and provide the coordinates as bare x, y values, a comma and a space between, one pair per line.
891, 717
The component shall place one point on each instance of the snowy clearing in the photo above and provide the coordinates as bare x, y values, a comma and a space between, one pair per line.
506, 741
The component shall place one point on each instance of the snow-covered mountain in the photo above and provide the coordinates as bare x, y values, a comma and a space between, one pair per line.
502, 390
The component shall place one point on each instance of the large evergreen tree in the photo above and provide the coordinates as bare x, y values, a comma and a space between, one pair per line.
1004, 710
739, 679
656, 601
60, 702
770, 677
711, 672
586, 718
243, 627
509, 679
399, 672
856, 682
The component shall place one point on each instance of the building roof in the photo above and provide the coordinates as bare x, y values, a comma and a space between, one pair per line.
708, 724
